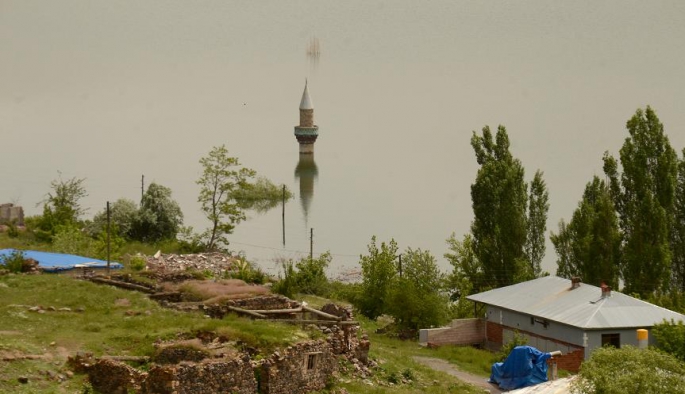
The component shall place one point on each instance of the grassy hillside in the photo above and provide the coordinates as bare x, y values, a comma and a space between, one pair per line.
45, 318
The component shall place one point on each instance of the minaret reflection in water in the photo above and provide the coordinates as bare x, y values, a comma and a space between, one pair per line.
307, 172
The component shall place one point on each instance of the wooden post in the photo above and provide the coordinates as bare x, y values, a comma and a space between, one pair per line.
108, 231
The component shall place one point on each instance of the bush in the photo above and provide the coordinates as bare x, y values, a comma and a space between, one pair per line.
137, 263
670, 337
416, 300
13, 262
629, 370
307, 276
379, 270
248, 273
518, 340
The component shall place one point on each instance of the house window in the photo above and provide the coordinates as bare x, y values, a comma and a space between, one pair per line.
613, 340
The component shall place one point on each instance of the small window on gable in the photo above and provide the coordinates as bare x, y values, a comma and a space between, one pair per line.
611, 340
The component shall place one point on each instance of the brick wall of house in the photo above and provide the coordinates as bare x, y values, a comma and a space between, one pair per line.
569, 361
494, 333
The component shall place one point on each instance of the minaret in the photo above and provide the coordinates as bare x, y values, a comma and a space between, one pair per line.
307, 131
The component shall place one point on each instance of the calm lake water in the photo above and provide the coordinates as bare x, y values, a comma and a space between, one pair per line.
110, 91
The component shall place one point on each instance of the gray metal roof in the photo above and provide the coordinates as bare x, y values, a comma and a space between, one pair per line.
552, 298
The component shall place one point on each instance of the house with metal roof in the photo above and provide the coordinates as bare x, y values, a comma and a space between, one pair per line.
554, 313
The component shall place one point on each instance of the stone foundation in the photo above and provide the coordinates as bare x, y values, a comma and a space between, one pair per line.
234, 376
299, 369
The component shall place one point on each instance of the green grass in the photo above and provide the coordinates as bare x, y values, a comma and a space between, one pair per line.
395, 361
107, 326
466, 358
111, 326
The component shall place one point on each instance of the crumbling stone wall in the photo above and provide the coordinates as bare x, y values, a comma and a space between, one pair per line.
181, 351
114, 377
299, 369
266, 302
10, 212
234, 376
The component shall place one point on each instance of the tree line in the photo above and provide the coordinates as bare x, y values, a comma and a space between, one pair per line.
227, 190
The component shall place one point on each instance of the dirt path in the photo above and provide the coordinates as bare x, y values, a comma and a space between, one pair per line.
444, 366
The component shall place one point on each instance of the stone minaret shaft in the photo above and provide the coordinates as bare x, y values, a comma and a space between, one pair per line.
306, 132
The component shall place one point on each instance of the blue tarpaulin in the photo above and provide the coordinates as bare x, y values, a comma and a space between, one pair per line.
60, 262
525, 366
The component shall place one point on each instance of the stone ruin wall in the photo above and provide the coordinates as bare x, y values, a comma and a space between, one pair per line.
234, 376
11, 212
268, 302
299, 369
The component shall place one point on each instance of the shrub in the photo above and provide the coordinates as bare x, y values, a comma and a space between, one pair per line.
629, 370
137, 263
13, 262
517, 340
307, 276
248, 273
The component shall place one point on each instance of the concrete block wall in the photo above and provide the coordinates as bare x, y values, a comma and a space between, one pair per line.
460, 332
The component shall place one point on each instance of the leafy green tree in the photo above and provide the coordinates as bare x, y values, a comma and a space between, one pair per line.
644, 196
629, 370
678, 230
499, 197
379, 270
221, 177
159, 218
589, 246
416, 299
466, 277
123, 216
61, 207
670, 337
538, 207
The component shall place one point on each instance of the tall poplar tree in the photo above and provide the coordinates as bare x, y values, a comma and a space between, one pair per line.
678, 230
589, 245
538, 206
644, 196
499, 197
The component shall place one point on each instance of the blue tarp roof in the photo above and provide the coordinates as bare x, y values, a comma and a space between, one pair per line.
60, 261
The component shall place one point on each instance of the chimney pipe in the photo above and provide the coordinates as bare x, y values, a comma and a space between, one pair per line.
575, 282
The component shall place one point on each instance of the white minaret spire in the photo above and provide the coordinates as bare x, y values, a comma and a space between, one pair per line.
306, 102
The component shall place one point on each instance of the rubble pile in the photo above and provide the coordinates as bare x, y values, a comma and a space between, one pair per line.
213, 262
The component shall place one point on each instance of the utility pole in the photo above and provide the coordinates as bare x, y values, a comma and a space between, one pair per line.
400, 265
311, 243
283, 215
142, 188
108, 230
